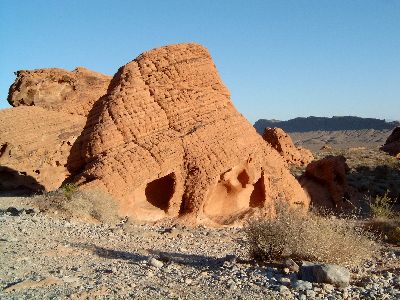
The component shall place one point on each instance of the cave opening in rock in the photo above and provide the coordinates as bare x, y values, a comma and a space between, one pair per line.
243, 178
230, 195
160, 191
257, 197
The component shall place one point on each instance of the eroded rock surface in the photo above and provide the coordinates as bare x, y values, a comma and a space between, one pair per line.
58, 89
34, 147
167, 141
392, 145
282, 142
325, 180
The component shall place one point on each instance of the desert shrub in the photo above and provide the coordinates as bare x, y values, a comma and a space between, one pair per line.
310, 237
381, 206
70, 202
385, 220
387, 229
69, 190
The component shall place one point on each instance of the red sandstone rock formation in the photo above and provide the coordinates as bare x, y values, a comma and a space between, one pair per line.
392, 145
282, 142
34, 147
57, 89
166, 141
325, 181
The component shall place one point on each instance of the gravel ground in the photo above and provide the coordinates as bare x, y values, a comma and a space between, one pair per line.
48, 257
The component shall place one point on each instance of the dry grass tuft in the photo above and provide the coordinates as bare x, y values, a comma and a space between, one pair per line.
382, 206
72, 203
385, 219
387, 229
310, 237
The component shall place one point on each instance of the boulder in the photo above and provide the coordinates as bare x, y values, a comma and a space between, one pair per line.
325, 181
34, 147
392, 144
282, 142
166, 141
325, 273
58, 89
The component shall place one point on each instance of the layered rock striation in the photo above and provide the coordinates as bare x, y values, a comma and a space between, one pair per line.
167, 141
34, 147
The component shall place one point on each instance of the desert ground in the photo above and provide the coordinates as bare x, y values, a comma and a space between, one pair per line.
51, 256
341, 139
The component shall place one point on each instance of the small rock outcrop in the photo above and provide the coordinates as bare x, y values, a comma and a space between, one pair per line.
34, 147
282, 142
326, 182
58, 89
392, 144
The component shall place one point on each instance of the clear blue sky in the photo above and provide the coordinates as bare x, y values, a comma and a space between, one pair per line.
280, 59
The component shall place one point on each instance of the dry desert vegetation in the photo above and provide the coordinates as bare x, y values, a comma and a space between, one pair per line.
151, 185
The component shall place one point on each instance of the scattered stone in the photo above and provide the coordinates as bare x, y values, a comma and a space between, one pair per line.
325, 273
283, 289
285, 280
156, 263
13, 211
328, 287
302, 285
291, 265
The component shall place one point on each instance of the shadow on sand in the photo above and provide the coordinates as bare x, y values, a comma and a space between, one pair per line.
193, 260
14, 183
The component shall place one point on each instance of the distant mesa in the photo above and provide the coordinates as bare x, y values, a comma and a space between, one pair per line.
163, 138
325, 124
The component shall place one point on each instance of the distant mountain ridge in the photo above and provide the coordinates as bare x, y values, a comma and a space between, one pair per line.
326, 124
